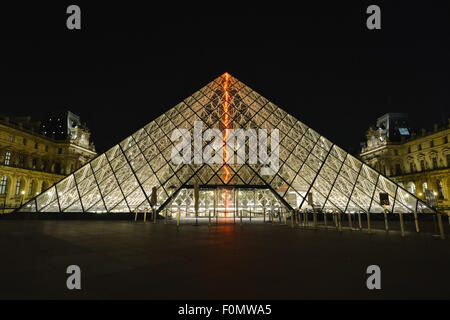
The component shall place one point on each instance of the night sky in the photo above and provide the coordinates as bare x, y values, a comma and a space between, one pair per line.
130, 63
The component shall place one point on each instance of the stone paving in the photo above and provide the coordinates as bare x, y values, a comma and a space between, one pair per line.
128, 260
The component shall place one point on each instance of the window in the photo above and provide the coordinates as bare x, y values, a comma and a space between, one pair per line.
424, 186
24, 141
30, 191
431, 144
44, 186
445, 139
19, 181
7, 158
409, 149
396, 152
46, 148
435, 164
411, 187
21, 160
411, 167
420, 147
398, 170
440, 189
34, 163
422, 165
59, 150
36, 145
11, 138
448, 160
3, 184
44, 165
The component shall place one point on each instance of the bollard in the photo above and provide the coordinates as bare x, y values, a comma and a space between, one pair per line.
305, 218
340, 221
386, 224
314, 217
241, 216
402, 227
350, 224
359, 219
441, 227
325, 218
250, 212
165, 216
178, 217
145, 214
264, 211
154, 215
335, 218
135, 216
209, 218
368, 221
292, 218
416, 220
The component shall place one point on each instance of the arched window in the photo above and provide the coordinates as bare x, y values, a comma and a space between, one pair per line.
411, 187
440, 189
31, 189
18, 183
3, 184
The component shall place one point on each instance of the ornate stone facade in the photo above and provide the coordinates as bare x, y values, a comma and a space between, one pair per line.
31, 162
417, 162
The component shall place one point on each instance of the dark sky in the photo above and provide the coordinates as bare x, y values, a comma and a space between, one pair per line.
130, 63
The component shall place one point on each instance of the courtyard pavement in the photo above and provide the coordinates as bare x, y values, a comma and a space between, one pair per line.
136, 260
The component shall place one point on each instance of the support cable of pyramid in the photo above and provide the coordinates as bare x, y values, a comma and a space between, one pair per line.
242, 149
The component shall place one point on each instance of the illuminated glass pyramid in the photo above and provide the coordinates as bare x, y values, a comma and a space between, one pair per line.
121, 179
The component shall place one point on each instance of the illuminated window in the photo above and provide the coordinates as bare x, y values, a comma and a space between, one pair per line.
11, 138
411, 187
424, 186
3, 184
7, 158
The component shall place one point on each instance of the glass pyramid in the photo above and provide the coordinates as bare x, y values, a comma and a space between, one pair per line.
122, 178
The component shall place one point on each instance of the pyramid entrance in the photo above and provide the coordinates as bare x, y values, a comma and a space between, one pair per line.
226, 203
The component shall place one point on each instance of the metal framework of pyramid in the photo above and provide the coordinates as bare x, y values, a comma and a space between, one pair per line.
122, 178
